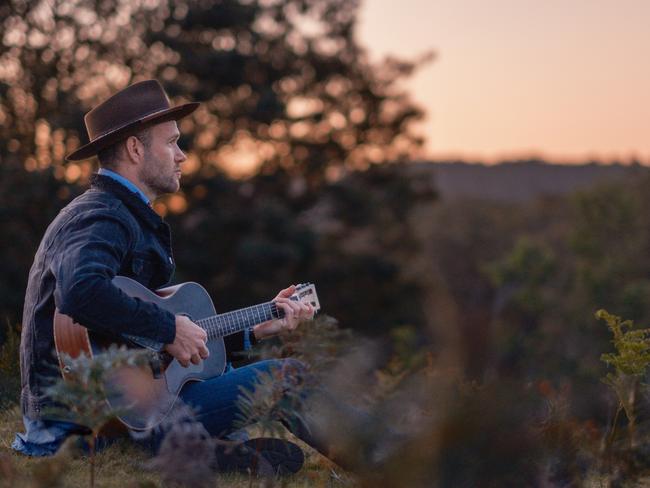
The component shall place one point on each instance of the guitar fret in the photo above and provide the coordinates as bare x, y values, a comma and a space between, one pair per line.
221, 325
258, 319
233, 324
228, 324
249, 320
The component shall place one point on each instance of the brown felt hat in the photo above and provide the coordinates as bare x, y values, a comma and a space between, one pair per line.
127, 112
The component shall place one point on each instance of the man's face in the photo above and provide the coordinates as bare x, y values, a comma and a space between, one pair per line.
161, 171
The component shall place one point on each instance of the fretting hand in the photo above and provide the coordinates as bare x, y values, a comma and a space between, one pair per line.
294, 313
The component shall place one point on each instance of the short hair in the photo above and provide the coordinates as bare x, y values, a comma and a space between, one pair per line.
109, 156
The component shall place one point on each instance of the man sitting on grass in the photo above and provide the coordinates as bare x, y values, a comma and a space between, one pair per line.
112, 230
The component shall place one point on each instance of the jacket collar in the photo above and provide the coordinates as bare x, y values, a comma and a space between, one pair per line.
129, 198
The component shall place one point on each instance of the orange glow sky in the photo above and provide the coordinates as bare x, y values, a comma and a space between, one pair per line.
564, 79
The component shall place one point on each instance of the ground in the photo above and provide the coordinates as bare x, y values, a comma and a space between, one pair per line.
122, 466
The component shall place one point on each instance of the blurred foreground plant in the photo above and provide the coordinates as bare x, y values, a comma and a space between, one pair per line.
319, 344
186, 456
340, 391
82, 394
426, 424
277, 397
278, 394
630, 363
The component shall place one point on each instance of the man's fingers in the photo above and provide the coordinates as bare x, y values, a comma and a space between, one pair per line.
196, 359
286, 307
204, 352
302, 311
294, 312
289, 319
287, 292
305, 311
295, 306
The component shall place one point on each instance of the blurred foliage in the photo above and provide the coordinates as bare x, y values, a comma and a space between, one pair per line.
9, 367
632, 347
28, 202
279, 394
520, 301
277, 397
630, 363
83, 392
254, 237
186, 456
318, 344
284, 83
521, 282
81, 397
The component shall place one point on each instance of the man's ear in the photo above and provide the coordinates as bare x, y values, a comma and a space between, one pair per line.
134, 150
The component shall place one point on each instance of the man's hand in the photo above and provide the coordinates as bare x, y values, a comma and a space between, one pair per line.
189, 343
294, 313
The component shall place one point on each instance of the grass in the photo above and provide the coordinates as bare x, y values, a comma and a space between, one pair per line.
123, 466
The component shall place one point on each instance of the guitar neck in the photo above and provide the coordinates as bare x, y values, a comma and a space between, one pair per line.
224, 324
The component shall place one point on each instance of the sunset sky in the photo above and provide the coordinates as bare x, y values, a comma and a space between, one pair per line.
563, 79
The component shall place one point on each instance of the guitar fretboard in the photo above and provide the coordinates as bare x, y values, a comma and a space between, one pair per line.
224, 324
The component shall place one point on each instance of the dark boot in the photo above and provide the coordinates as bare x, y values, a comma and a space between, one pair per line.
263, 456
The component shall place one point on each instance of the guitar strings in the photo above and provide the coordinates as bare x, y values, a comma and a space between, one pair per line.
230, 322
221, 325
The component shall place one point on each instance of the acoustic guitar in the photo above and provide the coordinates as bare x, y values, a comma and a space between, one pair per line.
144, 396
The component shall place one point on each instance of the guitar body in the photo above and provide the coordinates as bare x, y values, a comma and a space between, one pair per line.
144, 396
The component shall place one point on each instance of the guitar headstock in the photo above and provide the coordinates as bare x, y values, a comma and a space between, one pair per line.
306, 293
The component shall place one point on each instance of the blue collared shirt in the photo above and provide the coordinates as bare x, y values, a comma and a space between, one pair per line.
121, 179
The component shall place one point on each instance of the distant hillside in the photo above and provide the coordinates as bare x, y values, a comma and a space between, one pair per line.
519, 181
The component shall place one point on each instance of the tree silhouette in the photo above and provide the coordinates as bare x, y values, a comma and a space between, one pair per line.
284, 83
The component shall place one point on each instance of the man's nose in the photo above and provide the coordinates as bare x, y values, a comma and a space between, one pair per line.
180, 156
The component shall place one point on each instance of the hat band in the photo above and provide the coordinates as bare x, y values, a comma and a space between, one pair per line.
116, 129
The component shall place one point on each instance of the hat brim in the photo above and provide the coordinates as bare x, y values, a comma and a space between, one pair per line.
102, 142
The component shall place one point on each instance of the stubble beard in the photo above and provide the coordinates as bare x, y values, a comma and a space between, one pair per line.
158, 182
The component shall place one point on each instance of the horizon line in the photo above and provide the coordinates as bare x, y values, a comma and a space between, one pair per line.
629, 158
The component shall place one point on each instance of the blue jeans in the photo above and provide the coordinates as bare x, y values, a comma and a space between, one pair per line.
215, 402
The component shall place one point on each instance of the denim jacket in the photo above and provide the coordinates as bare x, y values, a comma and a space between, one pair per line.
106, 231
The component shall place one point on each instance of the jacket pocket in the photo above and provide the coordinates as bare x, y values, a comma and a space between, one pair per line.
142, 268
